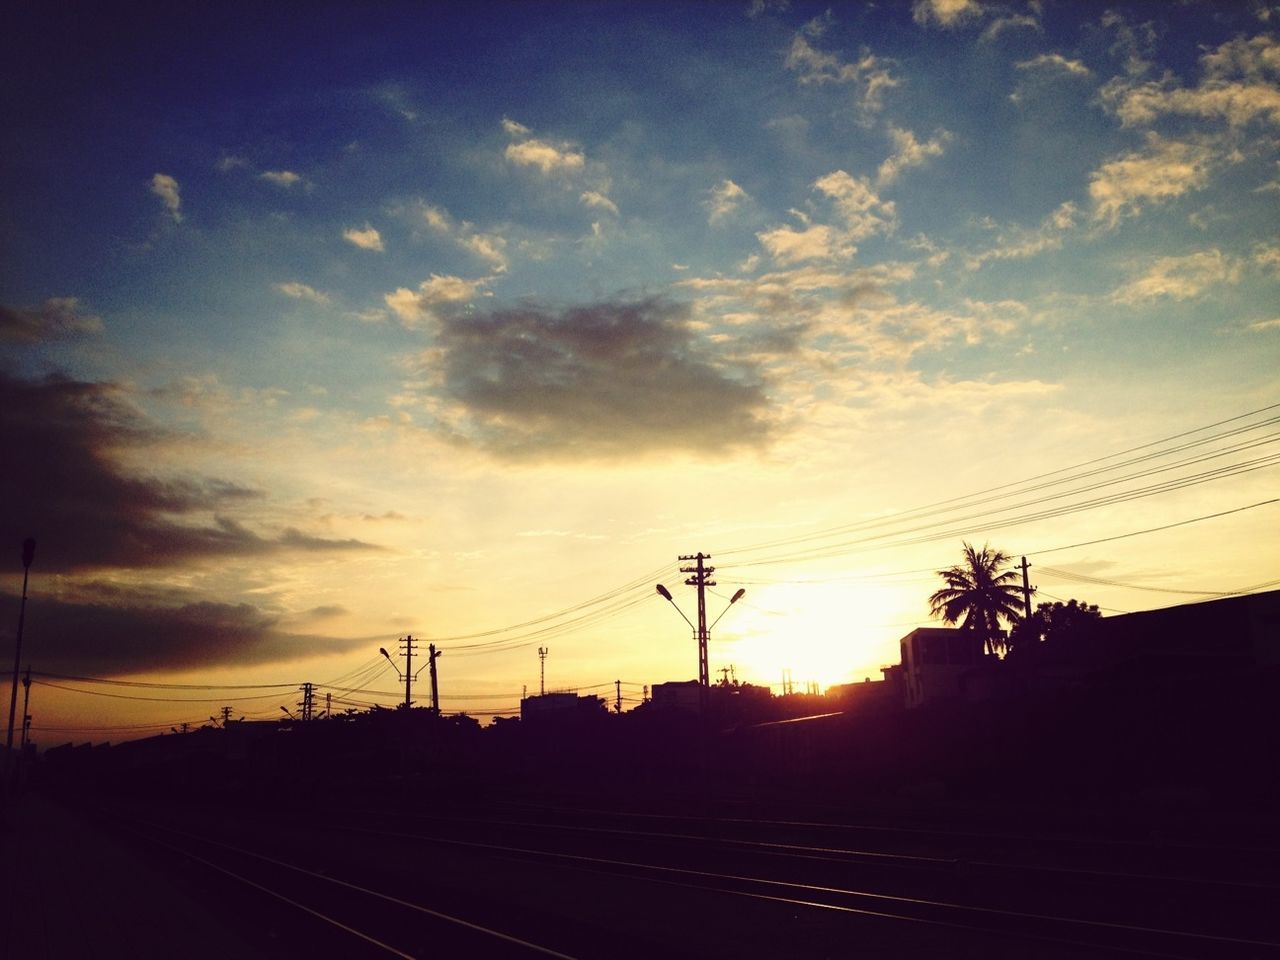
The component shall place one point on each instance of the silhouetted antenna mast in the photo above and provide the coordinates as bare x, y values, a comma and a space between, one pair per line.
542, 671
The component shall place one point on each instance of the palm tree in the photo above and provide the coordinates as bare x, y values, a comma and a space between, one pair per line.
980, 592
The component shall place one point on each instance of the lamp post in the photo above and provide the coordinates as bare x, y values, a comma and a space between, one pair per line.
28, 554
702, 632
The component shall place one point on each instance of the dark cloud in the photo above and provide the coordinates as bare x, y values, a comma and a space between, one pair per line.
61, 485
59, 318
116, 631
606, 379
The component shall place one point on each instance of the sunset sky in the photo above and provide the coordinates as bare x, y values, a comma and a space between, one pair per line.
323, 325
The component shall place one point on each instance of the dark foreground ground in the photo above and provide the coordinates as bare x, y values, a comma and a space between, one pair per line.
396, 869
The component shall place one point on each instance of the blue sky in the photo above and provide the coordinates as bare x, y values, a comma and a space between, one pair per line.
358, 311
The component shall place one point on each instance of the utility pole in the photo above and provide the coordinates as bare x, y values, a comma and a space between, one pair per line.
646, 693
1026, 589
406, 647
701, 578
328, 706
542, 671
26, 707
305, 704
617, 696
724, 676
432, 653
28, 554
226, 717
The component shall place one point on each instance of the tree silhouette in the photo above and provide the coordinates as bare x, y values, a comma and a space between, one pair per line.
981, 593
1056, 623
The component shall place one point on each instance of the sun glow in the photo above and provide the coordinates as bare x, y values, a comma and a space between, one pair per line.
823, 632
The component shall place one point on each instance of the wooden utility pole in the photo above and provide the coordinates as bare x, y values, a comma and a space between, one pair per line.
1026, 590
617, 696
406, 647
542, 671
26, 707
432, 653
701, 578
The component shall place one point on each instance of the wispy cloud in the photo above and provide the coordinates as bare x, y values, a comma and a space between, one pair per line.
909, 152
418, 307
489, 246
366, 238
543, 155
58, 318
1180, 278
166, 188
1161, 171
869, 74
946, 13
725, 198
300, 291
281, 178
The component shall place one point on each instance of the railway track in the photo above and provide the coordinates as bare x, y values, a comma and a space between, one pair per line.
548, 881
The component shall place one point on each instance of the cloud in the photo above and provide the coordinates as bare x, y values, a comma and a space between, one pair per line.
281, 178
1262, 325
228, 162
367, 238
857, 202
58, 318
1055, 63
1015, 21
417, 307
868, 74
548, 158
300, 291
1018, 243
945, 13
724, 200
166, 188
1180, 278
1161, 171
489, 247
67, 487
757, 8
909, 152
610, 379
109, 630
598, 201
789, 246
1240, 83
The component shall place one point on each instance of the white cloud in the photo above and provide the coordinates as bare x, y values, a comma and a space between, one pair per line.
909, 152
1261, 325
857, 202
415, 307
1057, 63
515, 129
1267, 256
300, 291
228, 162
597, 200
488, 246
547, 158
945, 13
724, 199
1239, 84
787, 245
281, 178
166, 188
367, 238
1180, 278
813, 66
1019, 243
1012, 22
1161, 171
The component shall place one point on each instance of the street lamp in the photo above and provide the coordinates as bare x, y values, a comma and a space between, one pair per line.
704, 634
28, 554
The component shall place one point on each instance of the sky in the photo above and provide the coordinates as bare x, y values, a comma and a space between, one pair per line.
323, 326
